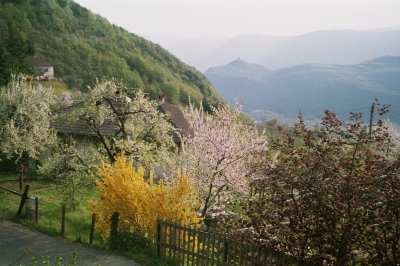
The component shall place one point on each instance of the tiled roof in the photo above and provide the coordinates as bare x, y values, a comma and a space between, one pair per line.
177, 119
39, 61
80, 127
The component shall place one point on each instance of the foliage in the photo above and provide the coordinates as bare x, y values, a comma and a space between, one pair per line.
272, 123
137, 126
391, 147
14, 52
332, 201
83, 46
216, 152
139, 202
57, 262
72, 167
24, 125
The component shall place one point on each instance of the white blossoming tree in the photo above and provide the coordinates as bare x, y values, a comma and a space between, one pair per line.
138, 127
65, 99
24, 120
216, 151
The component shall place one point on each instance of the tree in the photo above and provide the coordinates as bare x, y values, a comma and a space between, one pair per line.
5, 65
139, 128
139, 202
216, 151
391, 148
171, 92
332, 201
71, 167
65, 99
272, 123
24, 123
19, 50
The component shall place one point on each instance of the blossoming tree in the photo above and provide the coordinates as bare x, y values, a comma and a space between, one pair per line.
24, 121
334, 200
216, 151
138, 127
140, 202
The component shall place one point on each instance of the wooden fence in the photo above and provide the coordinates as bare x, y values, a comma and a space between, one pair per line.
188, 246
24, 197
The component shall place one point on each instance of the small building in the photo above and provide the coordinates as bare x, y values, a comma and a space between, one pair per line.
44, 70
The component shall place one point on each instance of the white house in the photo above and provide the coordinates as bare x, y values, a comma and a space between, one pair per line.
44, 70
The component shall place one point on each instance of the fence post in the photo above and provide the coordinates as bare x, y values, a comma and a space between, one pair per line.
114, 231
23, 199
226, 250
158, 238
20, 181
36, 210
63, 220
92, 229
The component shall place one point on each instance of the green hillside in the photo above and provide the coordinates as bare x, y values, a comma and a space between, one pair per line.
83, 46
312, 88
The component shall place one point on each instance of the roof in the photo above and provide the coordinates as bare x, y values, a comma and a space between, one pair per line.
80, 127
39, 61
107, 128
176, 117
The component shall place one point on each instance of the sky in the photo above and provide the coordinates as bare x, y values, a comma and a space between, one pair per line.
229, 18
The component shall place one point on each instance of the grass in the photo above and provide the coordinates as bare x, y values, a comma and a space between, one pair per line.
8, 176
58, 87
77, 225
273, 133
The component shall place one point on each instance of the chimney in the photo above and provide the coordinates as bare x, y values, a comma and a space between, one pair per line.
161, 97
118, 92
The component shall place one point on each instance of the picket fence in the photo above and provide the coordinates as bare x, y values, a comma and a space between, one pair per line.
189, 246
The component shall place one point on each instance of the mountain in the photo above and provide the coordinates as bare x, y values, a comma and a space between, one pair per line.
324, 47
333, 47
311, 88
248, 47
83, 46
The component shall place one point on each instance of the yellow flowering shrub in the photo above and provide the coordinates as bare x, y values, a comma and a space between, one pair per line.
140, 202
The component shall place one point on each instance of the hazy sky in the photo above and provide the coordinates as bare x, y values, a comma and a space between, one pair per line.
229, 18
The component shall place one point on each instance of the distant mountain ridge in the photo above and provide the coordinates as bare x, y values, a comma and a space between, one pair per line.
240, 68
341, 47
311, 88
249, 47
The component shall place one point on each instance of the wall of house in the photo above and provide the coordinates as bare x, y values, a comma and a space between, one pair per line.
48, 73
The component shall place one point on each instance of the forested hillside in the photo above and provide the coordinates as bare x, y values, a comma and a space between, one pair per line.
83, 46
311, 88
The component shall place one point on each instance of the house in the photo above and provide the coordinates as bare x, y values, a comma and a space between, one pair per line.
44, 70
83, 133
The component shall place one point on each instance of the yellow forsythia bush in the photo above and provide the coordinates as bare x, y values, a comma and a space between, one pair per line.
140, 202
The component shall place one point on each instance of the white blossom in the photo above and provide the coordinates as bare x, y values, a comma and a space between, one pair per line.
24, 122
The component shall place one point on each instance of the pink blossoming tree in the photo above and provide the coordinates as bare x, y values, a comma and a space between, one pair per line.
216, 151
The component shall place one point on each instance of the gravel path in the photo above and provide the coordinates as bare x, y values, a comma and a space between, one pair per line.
15, 238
